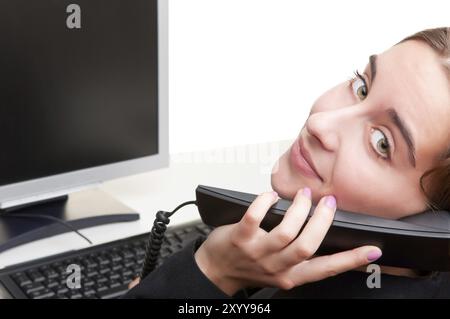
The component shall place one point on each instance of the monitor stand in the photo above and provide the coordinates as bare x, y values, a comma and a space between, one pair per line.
81, 210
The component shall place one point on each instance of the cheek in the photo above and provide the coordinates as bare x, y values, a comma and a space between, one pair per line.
371, 189
356, 182
358, 189
361, 183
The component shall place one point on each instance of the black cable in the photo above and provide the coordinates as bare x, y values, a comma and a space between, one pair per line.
64, 223
156, 238
181, 206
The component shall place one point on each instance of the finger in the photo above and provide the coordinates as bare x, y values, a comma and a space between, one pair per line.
134, 283
249, 224
283, 234
310, 238
323, 267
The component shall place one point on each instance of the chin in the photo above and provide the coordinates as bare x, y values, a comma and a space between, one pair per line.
281, 179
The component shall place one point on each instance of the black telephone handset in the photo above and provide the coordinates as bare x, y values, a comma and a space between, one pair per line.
419, 242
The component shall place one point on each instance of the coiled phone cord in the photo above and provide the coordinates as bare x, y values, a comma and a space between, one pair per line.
156, 239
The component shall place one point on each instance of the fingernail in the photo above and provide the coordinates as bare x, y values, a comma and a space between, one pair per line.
330, 201
307, 192
275, 194
374, 255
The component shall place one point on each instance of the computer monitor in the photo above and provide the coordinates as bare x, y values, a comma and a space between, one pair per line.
83, 94
83, 99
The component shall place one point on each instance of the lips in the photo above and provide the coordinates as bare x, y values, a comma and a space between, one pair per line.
301, 160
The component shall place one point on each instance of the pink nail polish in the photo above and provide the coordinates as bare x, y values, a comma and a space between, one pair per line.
330, 201
307, 192
374, 255
275, 194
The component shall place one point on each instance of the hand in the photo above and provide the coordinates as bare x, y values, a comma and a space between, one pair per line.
134, 282
243, 255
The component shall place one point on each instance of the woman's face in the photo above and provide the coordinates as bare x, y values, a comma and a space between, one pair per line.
371, 139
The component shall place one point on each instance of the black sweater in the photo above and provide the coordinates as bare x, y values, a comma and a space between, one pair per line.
180, 277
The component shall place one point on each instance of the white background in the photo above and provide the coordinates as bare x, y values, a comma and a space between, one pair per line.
248, 71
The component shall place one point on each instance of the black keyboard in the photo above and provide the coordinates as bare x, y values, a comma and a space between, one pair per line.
105, 270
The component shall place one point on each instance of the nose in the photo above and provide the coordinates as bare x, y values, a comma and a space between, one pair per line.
330, 126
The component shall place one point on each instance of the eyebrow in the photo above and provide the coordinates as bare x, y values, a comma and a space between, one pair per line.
373, 67
395, 118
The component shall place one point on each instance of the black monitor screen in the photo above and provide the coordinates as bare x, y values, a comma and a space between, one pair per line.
78, 85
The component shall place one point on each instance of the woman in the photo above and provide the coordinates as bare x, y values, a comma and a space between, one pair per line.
378, 144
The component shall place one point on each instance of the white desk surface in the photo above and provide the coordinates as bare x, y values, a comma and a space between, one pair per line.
244, 168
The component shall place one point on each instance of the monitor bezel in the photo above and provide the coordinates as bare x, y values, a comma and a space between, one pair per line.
61, 184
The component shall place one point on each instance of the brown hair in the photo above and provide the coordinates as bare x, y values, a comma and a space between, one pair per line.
435, 183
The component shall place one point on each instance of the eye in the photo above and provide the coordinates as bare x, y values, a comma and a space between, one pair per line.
380, 143
359, 86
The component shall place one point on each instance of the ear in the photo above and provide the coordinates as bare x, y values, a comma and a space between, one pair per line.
435, 219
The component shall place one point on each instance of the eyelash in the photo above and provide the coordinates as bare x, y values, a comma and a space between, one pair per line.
357, 75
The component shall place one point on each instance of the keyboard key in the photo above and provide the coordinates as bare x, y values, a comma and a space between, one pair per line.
114, 276
35, 286
61, 269
139, 251
127, 273
56, 264
115, 284
104, 270
172, 240
114, 292
102, 288
127, 254
102, 260
75, 295
179, 232
115, 257
50, 273
52, 284
42, 294
129, 263
89, 294
117, 267
36, 276
22, 279
89, 263
62, 290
